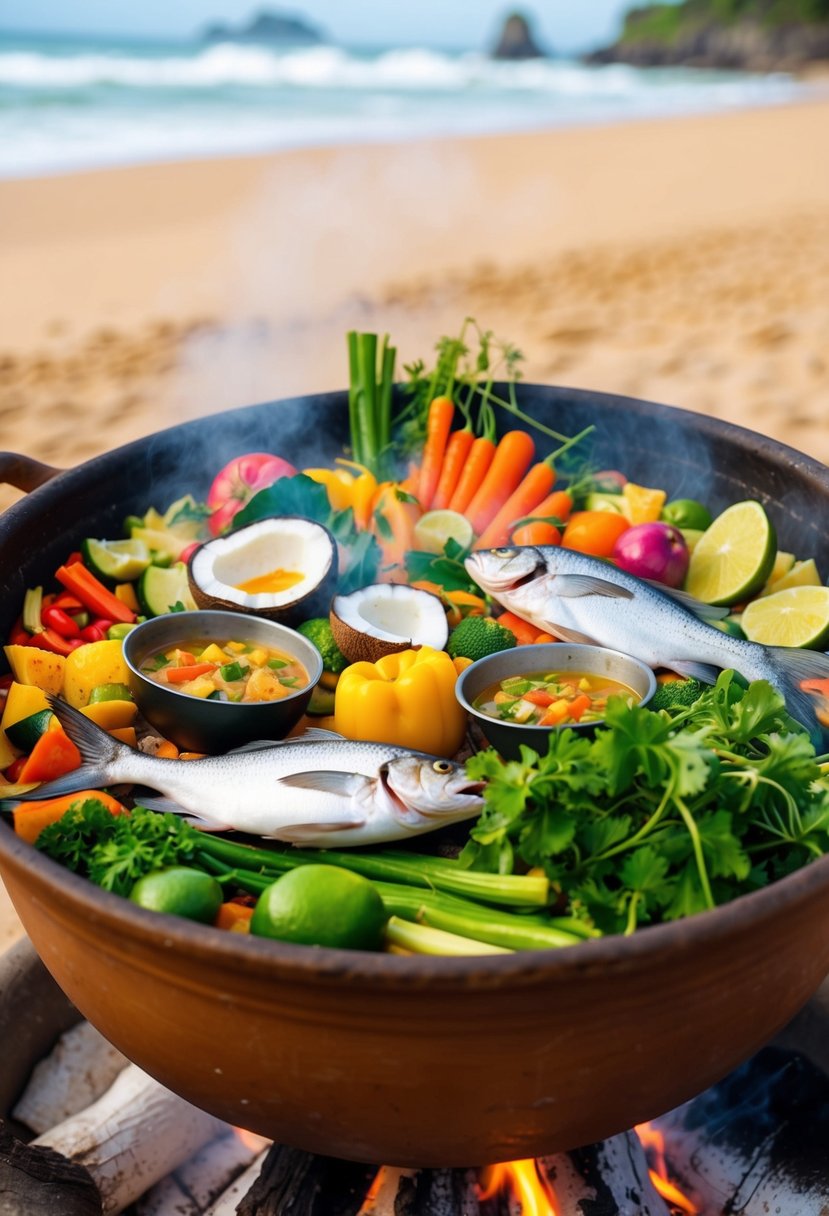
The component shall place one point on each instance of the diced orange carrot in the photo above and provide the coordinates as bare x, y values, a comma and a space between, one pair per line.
167, 751
578, 706
30, 818
525, 633
557, 713
180, 675
543, 637
234, 917
53, 755
537, 696
461, 663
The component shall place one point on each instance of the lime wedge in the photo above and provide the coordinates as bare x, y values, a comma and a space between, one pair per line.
802, 574
435, 528
798, 616
734, 557
117, 560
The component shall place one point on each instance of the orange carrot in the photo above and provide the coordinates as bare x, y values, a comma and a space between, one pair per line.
180, 675
578, 706
558, 505
509, 464
543, 637
480, 457
533, 489
53, 755
30, 818
437, 433
558, 711
537, 533
167, 751
392, 521
537, 696
525, 633
457, 450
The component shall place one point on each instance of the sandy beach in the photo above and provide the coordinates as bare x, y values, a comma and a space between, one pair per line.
684, 260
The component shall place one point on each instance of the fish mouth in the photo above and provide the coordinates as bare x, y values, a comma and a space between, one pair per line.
503, 581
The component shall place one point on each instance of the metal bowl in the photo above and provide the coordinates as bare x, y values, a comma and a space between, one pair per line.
507, 737
198, 725
423, 1061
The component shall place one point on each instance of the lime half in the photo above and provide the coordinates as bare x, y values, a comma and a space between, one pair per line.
734, 557
798, 616
117, 560
435, 528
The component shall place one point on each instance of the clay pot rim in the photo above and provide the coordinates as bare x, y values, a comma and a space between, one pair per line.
288, 962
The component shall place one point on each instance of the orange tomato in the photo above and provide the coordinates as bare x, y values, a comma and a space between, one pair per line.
537, 533
594, 532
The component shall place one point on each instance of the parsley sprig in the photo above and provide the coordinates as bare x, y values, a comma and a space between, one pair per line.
659, 815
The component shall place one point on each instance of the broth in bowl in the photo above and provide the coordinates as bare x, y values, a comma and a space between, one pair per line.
551, 698
226, 670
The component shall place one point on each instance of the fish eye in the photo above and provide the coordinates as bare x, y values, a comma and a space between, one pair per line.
505, 552
442, 766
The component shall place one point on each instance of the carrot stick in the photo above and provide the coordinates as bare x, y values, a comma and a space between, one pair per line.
437, 432
532, 489
30, 818
559, 505
525, 633
480, 457
509, 464
457, 450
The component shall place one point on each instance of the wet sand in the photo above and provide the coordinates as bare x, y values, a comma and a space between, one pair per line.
682, 260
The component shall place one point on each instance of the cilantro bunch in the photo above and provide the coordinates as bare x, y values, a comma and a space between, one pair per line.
659, 815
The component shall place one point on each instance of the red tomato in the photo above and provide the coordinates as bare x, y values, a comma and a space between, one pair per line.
239, 481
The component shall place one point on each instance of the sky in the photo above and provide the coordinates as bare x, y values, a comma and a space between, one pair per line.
563, 25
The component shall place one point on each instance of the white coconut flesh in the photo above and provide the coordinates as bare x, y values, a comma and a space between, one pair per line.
395, 613
295, 546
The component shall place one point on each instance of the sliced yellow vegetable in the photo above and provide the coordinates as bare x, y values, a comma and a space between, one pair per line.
7, 753
644, 504
802, 574
126, 734
125, 592
212, 654
91, 665
111, 715
22, 701
40, 668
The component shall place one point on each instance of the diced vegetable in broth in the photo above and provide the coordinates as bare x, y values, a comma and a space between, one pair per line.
551, 698
227, 671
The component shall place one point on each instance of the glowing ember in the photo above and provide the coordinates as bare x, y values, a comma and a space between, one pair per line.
522, 1181
653, 1142
252, 1141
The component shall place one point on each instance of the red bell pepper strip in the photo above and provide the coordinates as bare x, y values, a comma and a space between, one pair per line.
180, 675
18, 636
60, 621
53, 755
69, 603
49, 640
93, 594
537, 696
15, 769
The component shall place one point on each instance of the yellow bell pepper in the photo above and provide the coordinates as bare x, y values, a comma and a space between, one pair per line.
347, 490
407, 699
338, 483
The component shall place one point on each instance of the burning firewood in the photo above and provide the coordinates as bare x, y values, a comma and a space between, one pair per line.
611, 1177
438, 1193
78, 1070
205, 1177
131, 1137
40, 1182
755, 1143
228, 1202
295, 1183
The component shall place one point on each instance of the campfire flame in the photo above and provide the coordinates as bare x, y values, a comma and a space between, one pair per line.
653, 1142
251, 1140
522, 1181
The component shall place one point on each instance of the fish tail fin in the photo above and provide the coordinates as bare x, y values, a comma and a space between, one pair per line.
793, 667
100, 753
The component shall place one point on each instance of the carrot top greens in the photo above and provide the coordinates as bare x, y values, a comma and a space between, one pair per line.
649, 822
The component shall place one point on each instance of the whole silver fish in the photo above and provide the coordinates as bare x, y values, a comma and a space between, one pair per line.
318, 789
582, 599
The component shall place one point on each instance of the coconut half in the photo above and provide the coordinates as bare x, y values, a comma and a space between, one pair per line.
385, 618
284, 568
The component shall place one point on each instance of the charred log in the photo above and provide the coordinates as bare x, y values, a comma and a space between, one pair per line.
438, 1193
40, 1182
610, 1178
755, 1143
295, 1183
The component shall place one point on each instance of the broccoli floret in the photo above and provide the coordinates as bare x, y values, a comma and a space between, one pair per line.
478, 636
318, 632
676, 694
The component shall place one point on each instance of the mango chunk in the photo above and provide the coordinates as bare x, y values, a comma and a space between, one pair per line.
39, 668
111, 715
91, 665
22, 701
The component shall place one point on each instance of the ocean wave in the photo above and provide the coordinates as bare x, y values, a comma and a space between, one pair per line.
331, 68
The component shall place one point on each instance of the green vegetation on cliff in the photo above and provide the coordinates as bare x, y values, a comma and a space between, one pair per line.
669, 22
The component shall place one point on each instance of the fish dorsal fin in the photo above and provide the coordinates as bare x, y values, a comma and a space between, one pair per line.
705, 612
325, 782
572, 586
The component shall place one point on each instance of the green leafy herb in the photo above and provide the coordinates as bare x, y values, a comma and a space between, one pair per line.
661, 814
446, 569
233, 671
189, 511
178, 606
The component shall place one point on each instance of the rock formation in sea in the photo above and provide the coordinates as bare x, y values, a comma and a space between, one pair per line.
516, 40
289, 29
754, 35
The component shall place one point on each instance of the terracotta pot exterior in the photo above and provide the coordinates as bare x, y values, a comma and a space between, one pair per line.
436, 1062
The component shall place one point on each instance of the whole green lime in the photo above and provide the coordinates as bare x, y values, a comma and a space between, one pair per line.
180, 891
686, 513
321, 906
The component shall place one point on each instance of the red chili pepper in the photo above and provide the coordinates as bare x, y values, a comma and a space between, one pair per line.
60, 621
15, 769
69, 603
18, 636
93, 633
49, 639
93, 594
101, 622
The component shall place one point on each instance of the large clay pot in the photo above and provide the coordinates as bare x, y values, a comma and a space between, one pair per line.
417, 1061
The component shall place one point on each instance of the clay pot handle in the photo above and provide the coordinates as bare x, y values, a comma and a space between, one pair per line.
23, 472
